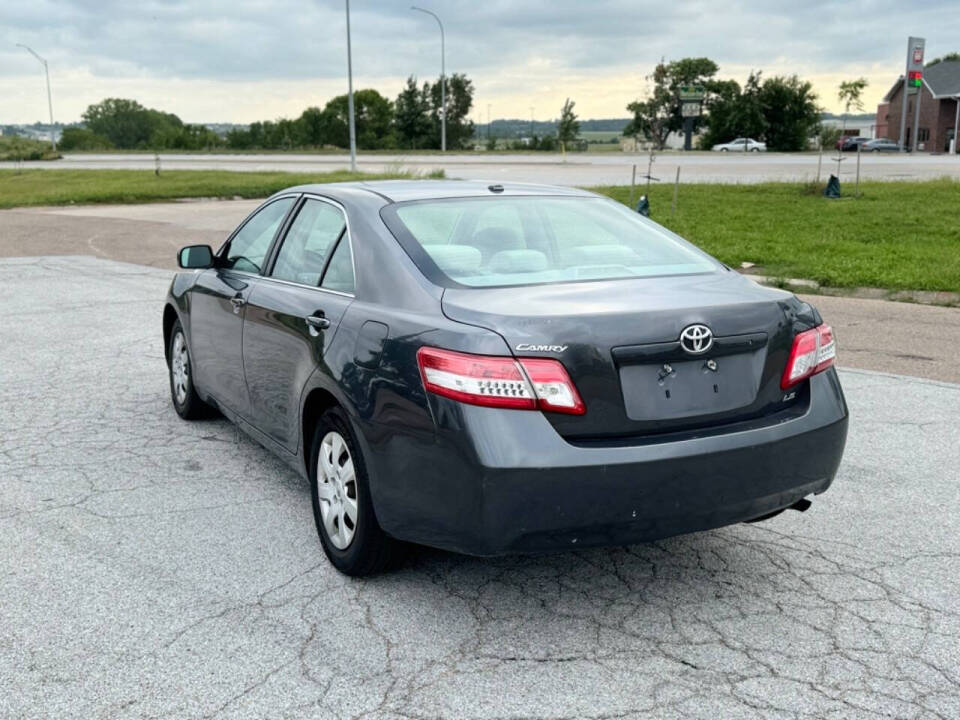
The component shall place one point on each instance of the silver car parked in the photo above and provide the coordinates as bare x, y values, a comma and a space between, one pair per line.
741, 145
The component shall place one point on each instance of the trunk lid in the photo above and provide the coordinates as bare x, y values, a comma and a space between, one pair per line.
619, 341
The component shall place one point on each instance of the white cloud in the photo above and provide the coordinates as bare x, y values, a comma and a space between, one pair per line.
241, 60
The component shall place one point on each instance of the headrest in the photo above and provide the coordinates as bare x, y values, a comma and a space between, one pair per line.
517, 261
455, 259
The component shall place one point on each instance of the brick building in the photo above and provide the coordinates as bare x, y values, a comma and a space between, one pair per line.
938, 108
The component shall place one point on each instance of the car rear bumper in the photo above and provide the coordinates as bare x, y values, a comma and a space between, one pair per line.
492, 481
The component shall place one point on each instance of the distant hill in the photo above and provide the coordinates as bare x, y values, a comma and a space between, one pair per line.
852, 119
515, 127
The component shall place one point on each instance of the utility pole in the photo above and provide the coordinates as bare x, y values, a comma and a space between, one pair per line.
531, 123
46, 70
488, 121
351, 122
443, 79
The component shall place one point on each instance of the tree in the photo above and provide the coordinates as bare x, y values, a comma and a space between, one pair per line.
850, 95
569, 126
312, 129
411, 116
459, 99
790, 112
186, 137
76, 138
946, 58
660, 114
733, 111
780, 110
373, 116
126, 123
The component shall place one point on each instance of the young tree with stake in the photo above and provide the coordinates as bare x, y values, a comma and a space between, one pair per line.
850, 95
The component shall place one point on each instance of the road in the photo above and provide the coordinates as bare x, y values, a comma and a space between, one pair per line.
158, 568
915, 339
608, 168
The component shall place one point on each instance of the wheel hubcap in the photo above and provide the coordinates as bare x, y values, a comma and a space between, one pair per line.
337, 490
180, 368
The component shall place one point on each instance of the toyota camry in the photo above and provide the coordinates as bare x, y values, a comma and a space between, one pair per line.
506, 368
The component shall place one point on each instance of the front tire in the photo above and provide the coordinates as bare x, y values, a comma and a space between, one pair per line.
184, 395
343, 512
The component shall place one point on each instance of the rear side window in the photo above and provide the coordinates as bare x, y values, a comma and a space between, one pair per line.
309, 240
503, 241
339, 274
249, 246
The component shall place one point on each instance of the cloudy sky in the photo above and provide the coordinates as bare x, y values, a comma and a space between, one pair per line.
244, 60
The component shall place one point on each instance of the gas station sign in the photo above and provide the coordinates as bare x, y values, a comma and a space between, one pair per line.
915, 50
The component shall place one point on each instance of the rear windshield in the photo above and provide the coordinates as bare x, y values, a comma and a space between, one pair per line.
498, 241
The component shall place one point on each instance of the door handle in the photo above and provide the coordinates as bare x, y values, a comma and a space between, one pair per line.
317, 322
238, 302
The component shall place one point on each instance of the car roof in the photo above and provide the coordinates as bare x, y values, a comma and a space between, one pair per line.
403, 190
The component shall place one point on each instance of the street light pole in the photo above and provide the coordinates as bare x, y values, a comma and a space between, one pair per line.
46, 71
443, 78
350, 120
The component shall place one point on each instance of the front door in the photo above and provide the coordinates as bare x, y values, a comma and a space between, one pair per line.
218, 305
293, 314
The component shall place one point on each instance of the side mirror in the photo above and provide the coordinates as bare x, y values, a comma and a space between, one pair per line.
195, 256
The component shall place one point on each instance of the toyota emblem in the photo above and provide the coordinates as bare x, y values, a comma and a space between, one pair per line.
696, 339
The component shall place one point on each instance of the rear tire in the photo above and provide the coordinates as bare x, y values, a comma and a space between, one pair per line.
184, 395
343, 512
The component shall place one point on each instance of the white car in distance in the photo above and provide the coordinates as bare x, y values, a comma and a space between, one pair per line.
741, 145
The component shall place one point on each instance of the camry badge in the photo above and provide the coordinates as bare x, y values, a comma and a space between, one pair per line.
696, 339
528, 347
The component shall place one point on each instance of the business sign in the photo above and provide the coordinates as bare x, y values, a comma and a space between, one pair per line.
915, 50
690, 109
692, 93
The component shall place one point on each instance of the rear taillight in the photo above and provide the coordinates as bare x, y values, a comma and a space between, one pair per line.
524, 384
813, 351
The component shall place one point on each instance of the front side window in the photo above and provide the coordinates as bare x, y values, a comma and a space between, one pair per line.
502, 241
249, 246
310, 239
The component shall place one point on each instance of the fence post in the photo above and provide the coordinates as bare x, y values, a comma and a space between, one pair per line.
676, 190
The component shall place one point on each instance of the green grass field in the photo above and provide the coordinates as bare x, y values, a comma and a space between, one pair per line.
65, 187
898, 235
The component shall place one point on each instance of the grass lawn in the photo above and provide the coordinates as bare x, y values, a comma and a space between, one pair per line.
898, 235
64, 187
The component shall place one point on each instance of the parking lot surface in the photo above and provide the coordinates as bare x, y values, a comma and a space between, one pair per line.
158, 568
604, 168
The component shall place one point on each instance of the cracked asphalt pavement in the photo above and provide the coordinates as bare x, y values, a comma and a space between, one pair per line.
157, 568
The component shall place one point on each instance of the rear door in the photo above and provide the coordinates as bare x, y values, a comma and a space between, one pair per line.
293, 314
217, 306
